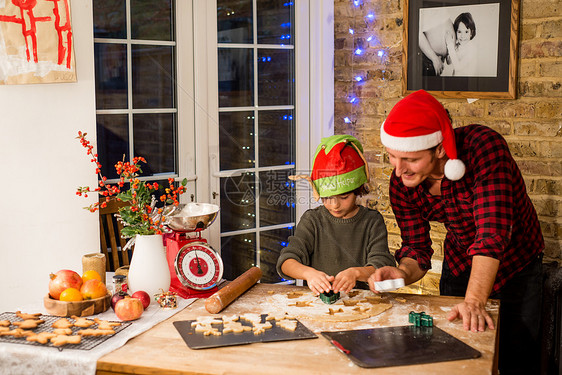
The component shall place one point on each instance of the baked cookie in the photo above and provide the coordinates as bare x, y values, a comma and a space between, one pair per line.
17, 332
62, 331
28, 324
60, 340
25, 316
41, 338
62, 323
95, 332
104, 324
82, 322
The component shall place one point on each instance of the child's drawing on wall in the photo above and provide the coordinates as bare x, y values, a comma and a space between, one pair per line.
36, 42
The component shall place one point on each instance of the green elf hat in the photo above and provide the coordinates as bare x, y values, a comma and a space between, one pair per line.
339, 167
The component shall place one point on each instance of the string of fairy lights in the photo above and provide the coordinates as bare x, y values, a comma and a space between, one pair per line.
361, 41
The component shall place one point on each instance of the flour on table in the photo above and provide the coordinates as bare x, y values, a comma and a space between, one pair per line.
356, 305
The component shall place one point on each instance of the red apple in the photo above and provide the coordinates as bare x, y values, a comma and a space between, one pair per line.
116, 298
62, 280
128, 309
143, 297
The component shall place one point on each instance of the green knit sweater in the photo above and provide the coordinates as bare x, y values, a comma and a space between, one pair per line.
331, 245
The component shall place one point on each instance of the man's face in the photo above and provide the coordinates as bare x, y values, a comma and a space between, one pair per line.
414, 167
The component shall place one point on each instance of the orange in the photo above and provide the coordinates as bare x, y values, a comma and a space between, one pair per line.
71, 295
89, 275
93, 289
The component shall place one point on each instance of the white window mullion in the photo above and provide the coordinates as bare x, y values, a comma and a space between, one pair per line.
129, 80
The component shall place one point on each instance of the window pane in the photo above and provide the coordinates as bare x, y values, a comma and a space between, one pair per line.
234, 21
153, 76
236, 77
111, 76
238, 254
238, 202
277, 197
276, 138
154, 138
236, 137
152, 20
271, 243
113, 142
109, 19
275, 77
275, 21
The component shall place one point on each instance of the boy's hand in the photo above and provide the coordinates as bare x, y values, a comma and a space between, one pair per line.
318, 281
345, 280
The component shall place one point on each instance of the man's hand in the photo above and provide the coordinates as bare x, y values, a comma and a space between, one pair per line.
473, 314
318, 281
385, 273
473, 310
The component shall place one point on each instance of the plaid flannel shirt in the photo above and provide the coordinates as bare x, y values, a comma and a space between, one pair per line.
487, 212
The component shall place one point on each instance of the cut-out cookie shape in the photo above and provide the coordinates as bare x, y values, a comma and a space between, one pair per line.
253, 318
231, 318
278, 316
235, 327
261, 327
207, 329
289, 325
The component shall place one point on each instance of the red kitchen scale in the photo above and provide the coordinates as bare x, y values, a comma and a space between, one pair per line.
195, 267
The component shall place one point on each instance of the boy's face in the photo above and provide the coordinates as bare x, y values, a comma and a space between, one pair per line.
342, 206
414, 167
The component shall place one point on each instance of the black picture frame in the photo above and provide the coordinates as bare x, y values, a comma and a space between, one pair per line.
489, 69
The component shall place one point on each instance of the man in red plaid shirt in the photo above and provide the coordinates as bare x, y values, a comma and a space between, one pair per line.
467, 179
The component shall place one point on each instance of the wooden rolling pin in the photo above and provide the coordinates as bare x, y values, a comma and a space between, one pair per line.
218, 301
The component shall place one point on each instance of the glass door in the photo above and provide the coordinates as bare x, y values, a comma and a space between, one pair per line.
256, 132
263, 73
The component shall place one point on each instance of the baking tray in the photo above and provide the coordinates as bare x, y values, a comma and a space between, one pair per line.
275, 333
400, 346
86, 343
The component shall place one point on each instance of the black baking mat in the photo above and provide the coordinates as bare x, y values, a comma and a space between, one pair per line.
400, 346
195, 340
86, 343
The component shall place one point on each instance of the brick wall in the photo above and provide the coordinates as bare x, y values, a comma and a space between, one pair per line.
531, 124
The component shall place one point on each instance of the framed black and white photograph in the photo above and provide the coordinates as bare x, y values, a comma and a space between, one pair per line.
461, 48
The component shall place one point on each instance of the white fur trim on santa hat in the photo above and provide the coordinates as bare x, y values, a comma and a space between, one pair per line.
411, 144
454, 169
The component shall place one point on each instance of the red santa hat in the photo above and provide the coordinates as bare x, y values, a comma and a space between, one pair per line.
419, 122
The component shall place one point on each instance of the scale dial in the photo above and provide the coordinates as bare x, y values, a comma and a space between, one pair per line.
198, 266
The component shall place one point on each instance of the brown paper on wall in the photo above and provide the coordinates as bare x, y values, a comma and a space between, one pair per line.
36, 43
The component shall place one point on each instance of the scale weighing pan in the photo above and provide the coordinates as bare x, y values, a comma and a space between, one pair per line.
196, 340
400, 346
191, 217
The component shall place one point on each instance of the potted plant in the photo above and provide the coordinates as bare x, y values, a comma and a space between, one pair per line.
143, 220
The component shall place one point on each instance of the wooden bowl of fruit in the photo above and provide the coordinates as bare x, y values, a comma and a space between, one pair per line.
70, 294
77, 308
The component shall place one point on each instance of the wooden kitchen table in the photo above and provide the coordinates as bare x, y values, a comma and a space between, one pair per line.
162, 350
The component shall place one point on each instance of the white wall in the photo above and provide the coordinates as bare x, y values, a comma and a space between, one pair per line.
43, 227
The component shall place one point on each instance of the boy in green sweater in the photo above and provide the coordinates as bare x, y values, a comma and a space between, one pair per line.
340, 243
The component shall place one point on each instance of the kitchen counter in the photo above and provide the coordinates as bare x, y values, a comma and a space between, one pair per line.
162, 350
